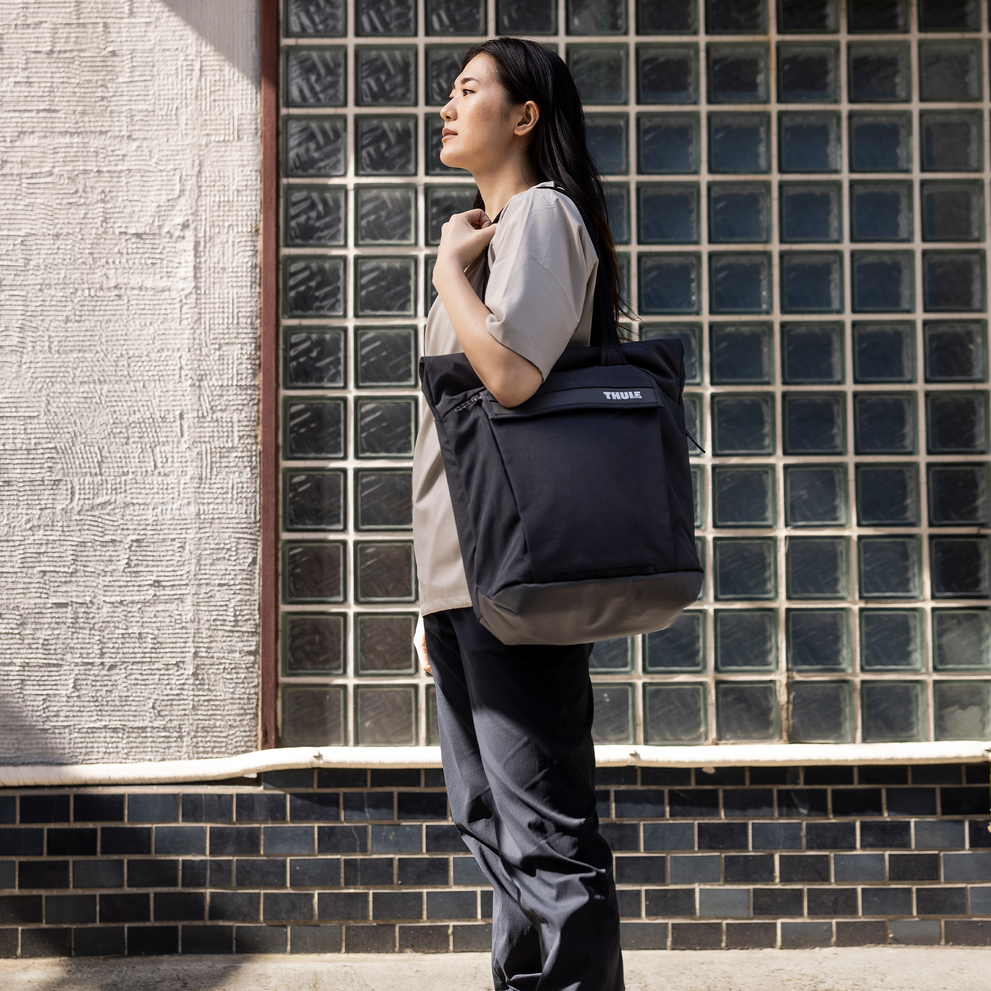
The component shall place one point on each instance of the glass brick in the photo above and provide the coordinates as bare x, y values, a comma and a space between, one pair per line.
313, 643
960, 567
889, 568
745, 568
893, 711
949, 15
949, 71
386, 145
442, 202
698, 494
747, 712
385, 716
812, 353
694, 423
739, 142
315, 77
962, 710
880, 142
384, 499
434, 128
952, 141
607, 141
880, 211
743, 496
442, 65
600, 72
667, 74
465, 17
613, 722
739, 212
675, 714
740, 283
313, 500
818, 568
957, 422
617, 197
690, 335
879, 73
385, 215
314, 216
737, 73
667, 143
385, 17
888, 495
952, 211
596, 16
818, 640
800, 16
526, 17
384, 644
315, 19
313, 287
313, 429
810, 211
314, 146
821, 712
385, 286
312, 716
679, 648
740, 353
871, 16
891, 640
809, 142
667, 17
313, 572
433, 730
958, 495
808, 73
313, 358
883, 281
612, 655
384, 572
385, 76
814, 423
815, 495
883, 352
961, 639
386, 356
735, 17
953, 280
386, 428
669, 283
811, 282
429, 292
746, 640
743, 424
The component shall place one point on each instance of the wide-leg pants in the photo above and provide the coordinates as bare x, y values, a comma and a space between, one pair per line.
515, 731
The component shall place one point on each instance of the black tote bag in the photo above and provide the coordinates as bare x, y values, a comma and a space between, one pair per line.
574, 510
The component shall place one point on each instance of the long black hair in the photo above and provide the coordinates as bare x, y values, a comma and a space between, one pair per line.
557, 149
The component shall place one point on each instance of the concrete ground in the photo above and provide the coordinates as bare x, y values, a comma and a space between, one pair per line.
863, 969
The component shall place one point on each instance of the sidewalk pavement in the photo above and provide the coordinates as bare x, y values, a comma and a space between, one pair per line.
860, 969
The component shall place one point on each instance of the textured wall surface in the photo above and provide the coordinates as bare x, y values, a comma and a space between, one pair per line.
129, 205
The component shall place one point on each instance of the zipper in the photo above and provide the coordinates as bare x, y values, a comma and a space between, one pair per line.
477, 398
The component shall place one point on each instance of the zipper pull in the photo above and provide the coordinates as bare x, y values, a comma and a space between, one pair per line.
477, 398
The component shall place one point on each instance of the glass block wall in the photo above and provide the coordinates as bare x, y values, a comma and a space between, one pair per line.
798, 191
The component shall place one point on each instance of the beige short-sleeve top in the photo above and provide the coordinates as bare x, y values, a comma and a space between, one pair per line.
541, 285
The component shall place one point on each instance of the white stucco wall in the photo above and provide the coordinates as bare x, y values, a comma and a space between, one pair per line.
129, 207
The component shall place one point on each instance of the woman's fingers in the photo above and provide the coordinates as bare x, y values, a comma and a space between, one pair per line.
420, 644
464, 237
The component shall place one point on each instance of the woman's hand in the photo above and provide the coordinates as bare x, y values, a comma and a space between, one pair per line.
462, 239
420, 643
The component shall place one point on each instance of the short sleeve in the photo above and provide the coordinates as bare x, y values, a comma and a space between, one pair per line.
542, 267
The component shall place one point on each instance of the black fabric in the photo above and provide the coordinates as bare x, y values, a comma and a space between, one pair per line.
516, 740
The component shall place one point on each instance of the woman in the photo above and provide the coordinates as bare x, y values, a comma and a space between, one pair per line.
515, 721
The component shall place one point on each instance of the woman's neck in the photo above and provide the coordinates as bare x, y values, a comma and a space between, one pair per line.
498, 189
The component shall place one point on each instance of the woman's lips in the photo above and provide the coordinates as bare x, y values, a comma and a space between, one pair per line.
445, 134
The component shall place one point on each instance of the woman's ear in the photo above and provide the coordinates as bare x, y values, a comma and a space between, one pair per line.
527, 119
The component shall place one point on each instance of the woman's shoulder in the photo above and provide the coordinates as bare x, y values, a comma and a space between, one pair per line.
543, 212
545, 197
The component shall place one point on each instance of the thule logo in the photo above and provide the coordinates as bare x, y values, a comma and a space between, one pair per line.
622, 395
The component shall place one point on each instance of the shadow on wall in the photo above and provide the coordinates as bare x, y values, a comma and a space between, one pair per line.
224, 25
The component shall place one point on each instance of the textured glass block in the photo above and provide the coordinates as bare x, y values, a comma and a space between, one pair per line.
737, 73
313, 287
443, 63
596, 16
812, 353
879, 73
698, 494
690, 335
613, 722
526, 17
740, 283
810, 211
743, 424
386, 428
739, 212
961, 639
679, 648
957, 422
434, 128
880, 142
612, 655
960, 567
669, 283
313, 500
313, 644
817, 568
675, 714
952, 141
315, 19
388, 18
386, 145
958, 495
739, 142
891, 640
385, 716
953, 280
617, 197
893, 711
385, 76
746, 640
313, 572
949, 15
883, 352
869, 16
384, 499
384, 644
740, 353
883, 281
888, 495
889, 568
743, 496
818, 640
809, 142
455, 17
314, 216
808, 73
442, 202
949, 71
433, 730
312, 716
694, 421
385, 286
667, 143
667, 17
313, 358
430, 293
747, 712
315, 77
799, 16
386, 356
385, 215
667, 74
735, 16
952, 211
821, 712
384, 572
881, 211
313, 429
600, 72
608, 139
814, 423
314, 146
815, 495
745, 568
962, 710
811, 282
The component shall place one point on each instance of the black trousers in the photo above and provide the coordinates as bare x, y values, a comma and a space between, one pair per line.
516, 740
